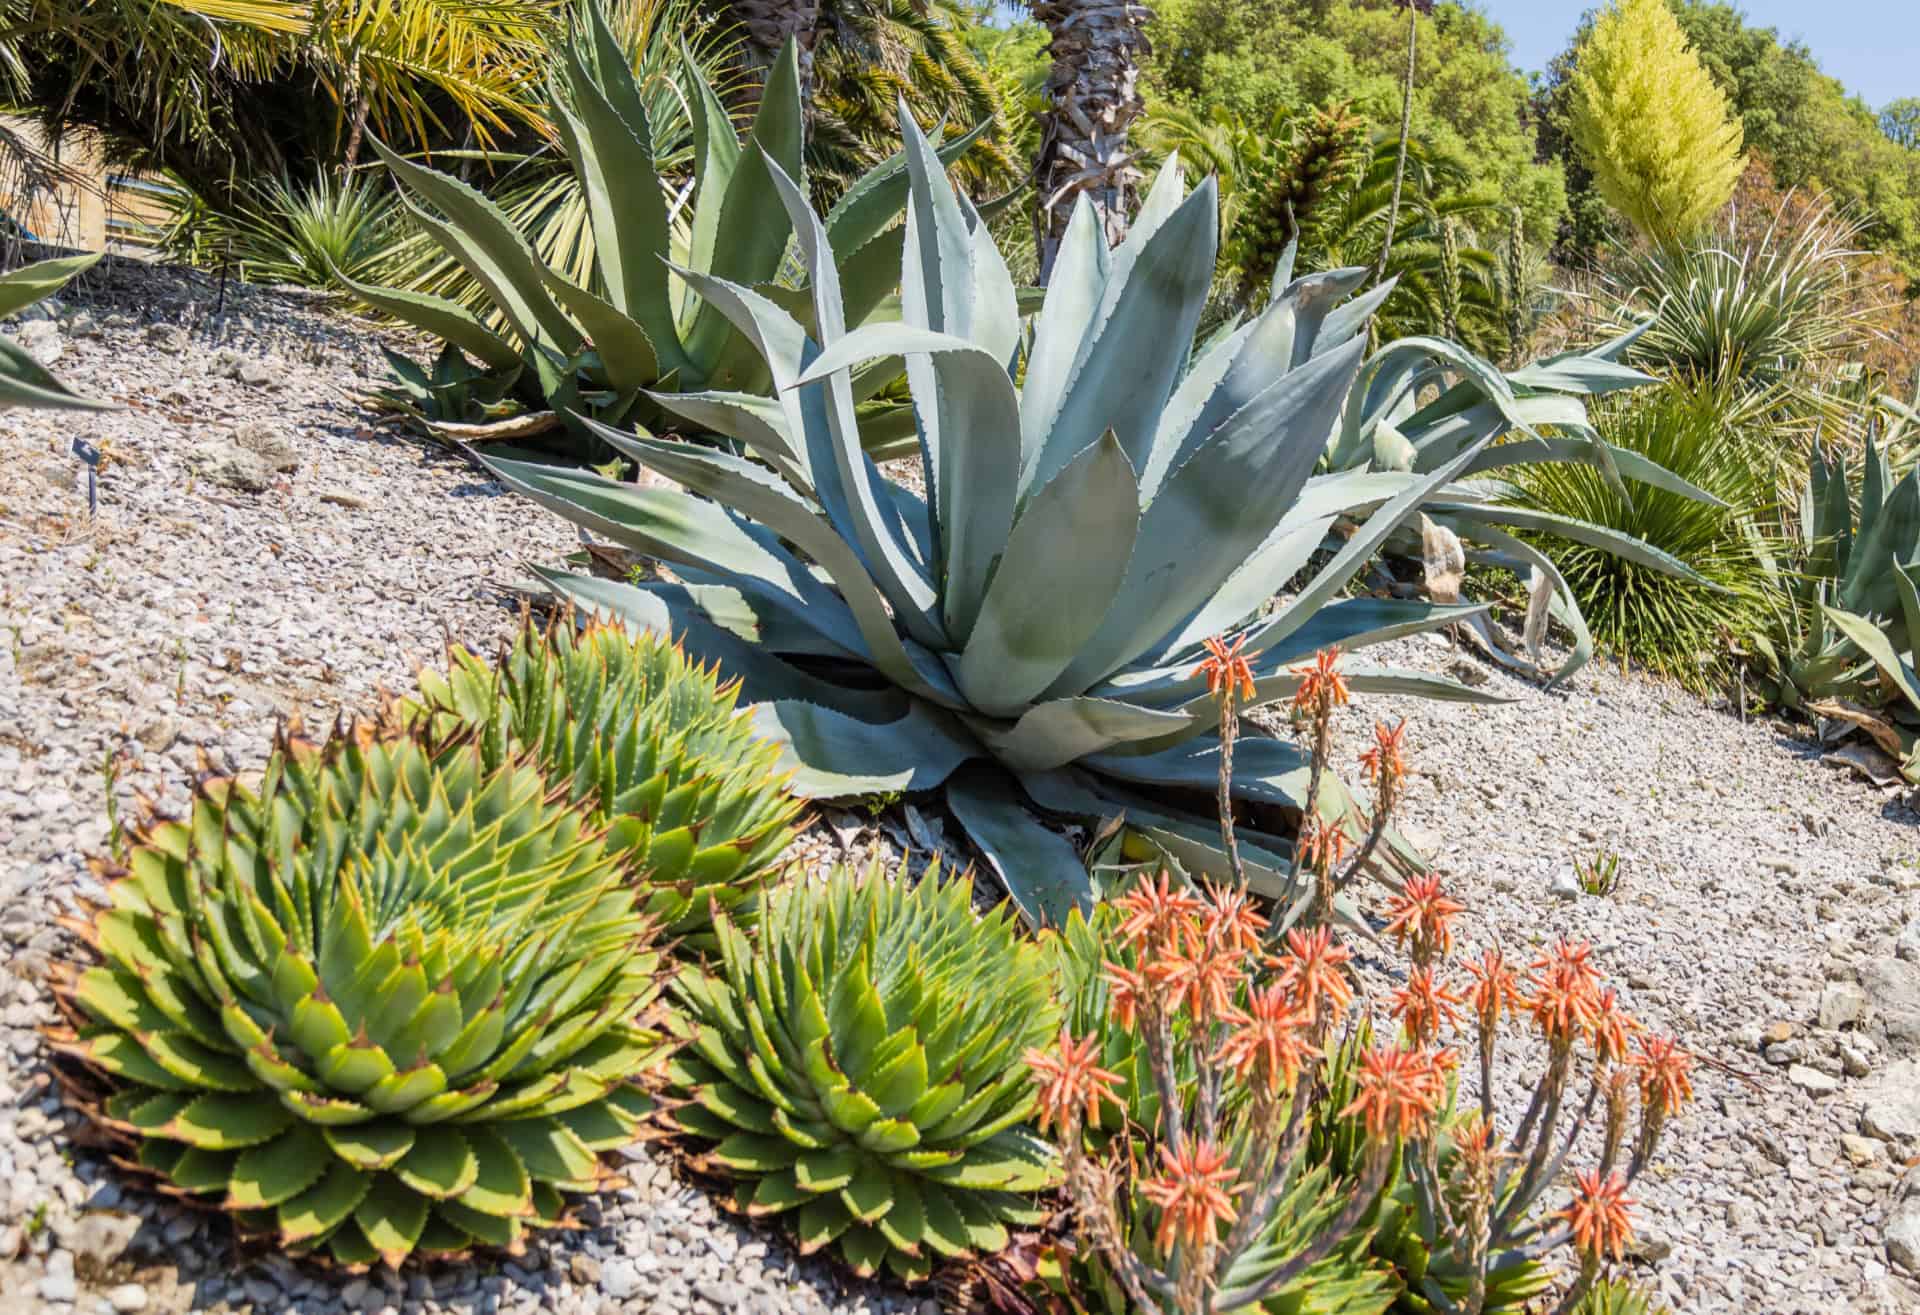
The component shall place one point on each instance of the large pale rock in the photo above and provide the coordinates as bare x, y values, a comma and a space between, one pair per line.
1890, 1103
1892, 987
1902, 1235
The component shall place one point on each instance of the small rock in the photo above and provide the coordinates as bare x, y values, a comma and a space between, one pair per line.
234, 467
1564, 886
1842, 1004
619, 1279
585, 1269
127, 1297
1854, 1061
41, 340
1859, 1150
1812, 1080
1777, 1033
102, 1236
58, 1288
1650, 1246
341, 498
1742, 1215
1892, 987
257, 374
273, 444
1907, 944
169, 338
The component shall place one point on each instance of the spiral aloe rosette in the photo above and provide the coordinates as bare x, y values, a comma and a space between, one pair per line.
650, 742
393, 1002
858, 1066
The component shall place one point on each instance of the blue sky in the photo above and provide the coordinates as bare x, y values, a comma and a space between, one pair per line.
1873, 46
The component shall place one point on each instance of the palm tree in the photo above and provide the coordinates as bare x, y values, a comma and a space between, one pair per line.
1093, 98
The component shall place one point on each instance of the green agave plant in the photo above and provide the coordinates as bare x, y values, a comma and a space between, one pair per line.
1102, 496
23, 380
649, 741
642, 325
392, 1002
1846, 629
859, 1066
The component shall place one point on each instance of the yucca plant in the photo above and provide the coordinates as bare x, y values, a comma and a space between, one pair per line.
391, 1002
1026, 637
650, 742
23, 380
277, 232
1845, 635
641, 327
857, 1066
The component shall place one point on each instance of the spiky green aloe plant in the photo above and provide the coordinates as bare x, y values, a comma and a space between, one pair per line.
649, 741
23, 380
390, 1002
641, 325
858, 1065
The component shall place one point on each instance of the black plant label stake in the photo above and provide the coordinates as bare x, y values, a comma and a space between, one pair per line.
90, 455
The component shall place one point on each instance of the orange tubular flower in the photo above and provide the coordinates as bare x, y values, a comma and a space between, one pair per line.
1385, 760
1666, 1073
1399, 1091
1071, 1084
1125, 991
1199, 977
1225, 668
1495, 989
1312, 971
1423, 914
1566, 991
1599, 1216
1156, 914
1270, 1046
1195, 1197
1611, 1027
1322, 687
1231, 918
1424, 1004
1323, 844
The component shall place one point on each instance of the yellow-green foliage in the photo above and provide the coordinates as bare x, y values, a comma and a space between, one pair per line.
1663, 144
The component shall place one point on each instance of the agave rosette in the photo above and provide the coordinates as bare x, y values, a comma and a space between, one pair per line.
634, 327
392, 1002
23, 380
858, 1065
1026, 636
648, 740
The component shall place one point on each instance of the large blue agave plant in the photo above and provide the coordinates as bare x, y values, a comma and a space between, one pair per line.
1101, 496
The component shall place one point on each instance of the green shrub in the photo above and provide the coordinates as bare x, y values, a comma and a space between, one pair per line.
858, 1066
1716, 437
391, 1002
649, 742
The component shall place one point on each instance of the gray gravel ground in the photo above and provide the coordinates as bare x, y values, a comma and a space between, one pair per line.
211, 594
259, 551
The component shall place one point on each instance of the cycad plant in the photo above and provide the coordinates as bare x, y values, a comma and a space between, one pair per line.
640, 327
857, 1066
391, 1002
1027, 635
648, 741
23, 380
1718, 438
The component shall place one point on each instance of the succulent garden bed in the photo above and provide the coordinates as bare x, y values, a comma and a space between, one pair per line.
258, 552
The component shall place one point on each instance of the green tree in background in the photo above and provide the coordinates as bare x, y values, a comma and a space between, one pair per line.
1287, 57
1658, 134
1900, 121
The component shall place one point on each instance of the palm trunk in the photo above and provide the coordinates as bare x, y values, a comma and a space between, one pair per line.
770, 24
1094, 100
1406, 127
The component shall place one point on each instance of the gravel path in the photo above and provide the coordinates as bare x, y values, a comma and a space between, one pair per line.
1767, 909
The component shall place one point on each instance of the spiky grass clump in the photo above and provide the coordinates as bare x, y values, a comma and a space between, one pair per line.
1709, 432
650, 742
394, 1001
858, 1066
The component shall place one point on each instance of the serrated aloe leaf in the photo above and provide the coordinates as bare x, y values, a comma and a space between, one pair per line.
279, 1170
820, 1221
380, 1144
501, 1187
550, 1151
392, 1217
440, 1164
226, 1122
321, 1208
